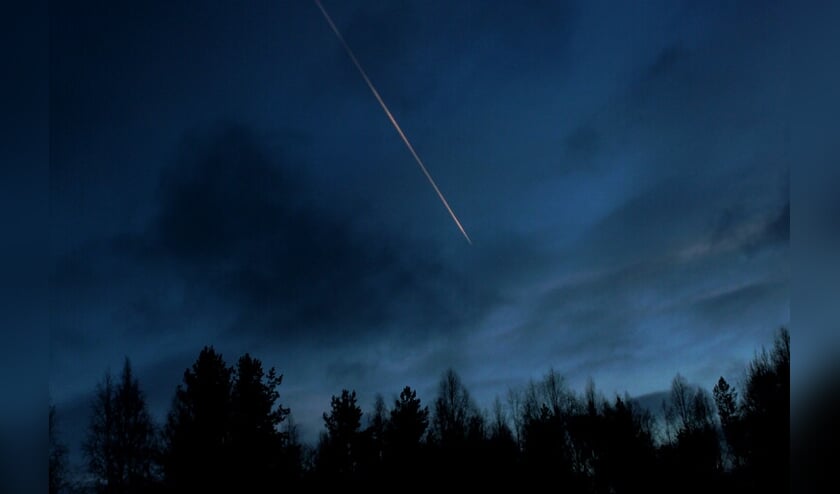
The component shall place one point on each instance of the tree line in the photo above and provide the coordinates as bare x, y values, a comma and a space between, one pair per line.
227, 431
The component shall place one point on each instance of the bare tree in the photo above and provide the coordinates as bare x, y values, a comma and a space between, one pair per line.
453, 409
121, 445
58, 457
679, 411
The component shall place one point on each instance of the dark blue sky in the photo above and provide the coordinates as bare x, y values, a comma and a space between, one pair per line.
220, 174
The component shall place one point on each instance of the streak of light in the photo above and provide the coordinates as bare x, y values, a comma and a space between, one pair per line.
392, 119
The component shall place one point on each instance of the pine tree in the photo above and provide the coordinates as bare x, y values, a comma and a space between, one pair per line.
339, 453
256, 443
726, 400
198, 427
409, 421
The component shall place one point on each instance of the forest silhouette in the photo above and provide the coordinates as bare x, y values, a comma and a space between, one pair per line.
228, 431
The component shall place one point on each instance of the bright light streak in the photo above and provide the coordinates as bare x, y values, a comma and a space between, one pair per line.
392, 119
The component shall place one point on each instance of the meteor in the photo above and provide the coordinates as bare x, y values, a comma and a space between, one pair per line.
392, 119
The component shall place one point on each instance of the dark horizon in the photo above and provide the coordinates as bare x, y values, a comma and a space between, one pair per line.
229, 427
72, 422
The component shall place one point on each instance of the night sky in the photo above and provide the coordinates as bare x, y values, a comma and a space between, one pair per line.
220, 174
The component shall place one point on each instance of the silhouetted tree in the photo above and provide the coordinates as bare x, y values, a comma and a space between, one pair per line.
689, 409
726, 401
516, 405
378, 418
499, 427
198, 428
339, 453
585, 425
58, 457
624, 460
695, 447
295, 452
476, 429
376, 429
457, 430
453, 409
256, 446
224, 429
100, 445
547, 450
502, 450
476, 444
678, 415
404, 431
372, 442
121, 446
765, 409
408, 424
228, 432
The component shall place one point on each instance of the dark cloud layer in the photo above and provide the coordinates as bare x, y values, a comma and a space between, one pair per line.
238, 229
233, 220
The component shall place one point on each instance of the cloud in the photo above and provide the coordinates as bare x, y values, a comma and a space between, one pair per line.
237, 228
749, 234
350, 371
737, 303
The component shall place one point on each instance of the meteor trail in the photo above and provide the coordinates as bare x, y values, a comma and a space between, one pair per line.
392, 119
